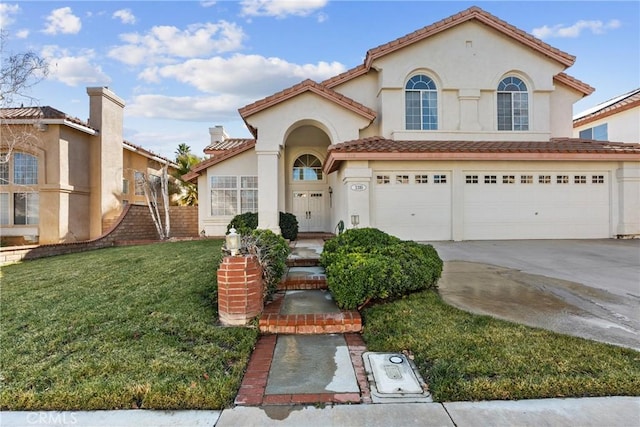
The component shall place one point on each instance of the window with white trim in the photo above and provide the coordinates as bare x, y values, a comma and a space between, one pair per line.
402, 179
562, 179
231, 195
526, 179
307, 168
421, 103
383, 179
597, 179
471, 179
25, 169
422, 179
508, 179
513, 104
439, 179
597, 133
544, 179
4, 170
579, 179
26, 208
139, 183
4, 208
490, 179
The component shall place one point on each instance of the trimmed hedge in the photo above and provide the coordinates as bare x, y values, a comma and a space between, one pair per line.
367, 264
246, 222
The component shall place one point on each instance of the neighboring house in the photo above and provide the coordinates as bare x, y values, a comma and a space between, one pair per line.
617, 119
458, 131
63, 179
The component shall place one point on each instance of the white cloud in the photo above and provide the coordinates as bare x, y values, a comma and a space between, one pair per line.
322, 17
208, 3
250, 75
281, 8
62, 21
22, 34
125, 16
190, 108
74, 70
7, 12
560, 30
162, 43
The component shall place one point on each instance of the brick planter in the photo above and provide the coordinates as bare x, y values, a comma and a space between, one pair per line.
240, 290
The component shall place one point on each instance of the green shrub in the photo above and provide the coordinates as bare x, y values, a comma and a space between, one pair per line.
368, 264
272, 252
248, 221
363, 240
288, 225
244, 223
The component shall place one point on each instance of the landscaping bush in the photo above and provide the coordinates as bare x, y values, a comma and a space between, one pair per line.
362, 240
272, 252
244, 223
288, 225
248, 221
368, 264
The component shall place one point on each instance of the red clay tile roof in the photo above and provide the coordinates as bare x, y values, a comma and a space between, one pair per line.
39, 113
614, 106
227, 144
227, 154
308, 86
378, 148
464, 16
574, 83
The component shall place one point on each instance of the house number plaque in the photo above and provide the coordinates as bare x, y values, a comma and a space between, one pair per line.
358, 187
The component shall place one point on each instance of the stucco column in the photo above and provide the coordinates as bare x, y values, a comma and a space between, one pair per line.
268, 185
357, 185
628, 177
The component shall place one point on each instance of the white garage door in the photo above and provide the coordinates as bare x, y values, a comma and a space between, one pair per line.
413, 205
536, 205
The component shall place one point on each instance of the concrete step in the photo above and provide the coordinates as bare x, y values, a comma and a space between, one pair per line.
303, 262
307, 314
309, 277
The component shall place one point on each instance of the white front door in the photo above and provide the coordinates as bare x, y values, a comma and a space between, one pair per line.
308, 207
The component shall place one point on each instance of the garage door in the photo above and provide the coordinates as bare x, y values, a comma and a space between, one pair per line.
530, 205
413, 205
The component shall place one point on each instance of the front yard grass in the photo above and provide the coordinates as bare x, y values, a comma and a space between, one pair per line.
463, 356
128, 327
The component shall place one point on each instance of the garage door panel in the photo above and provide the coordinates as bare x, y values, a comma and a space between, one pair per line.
537, 210
413, 211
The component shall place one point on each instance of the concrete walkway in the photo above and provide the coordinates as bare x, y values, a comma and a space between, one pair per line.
586, 412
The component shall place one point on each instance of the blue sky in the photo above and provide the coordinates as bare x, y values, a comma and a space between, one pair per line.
185, 66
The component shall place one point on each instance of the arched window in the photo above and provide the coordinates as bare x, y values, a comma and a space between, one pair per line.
421, 103
307, 168
513, 105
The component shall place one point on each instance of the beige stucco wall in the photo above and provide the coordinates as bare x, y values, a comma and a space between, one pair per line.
244, 164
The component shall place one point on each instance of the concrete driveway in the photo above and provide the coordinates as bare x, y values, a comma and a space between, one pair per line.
586, 288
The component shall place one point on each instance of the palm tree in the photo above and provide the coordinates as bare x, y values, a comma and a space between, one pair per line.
185, 160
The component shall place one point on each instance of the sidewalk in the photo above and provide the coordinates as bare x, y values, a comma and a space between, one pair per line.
586, 412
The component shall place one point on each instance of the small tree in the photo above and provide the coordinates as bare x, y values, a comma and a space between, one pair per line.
156, 191
185, 160
19, 72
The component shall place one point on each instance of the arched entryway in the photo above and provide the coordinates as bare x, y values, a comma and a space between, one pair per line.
307, 186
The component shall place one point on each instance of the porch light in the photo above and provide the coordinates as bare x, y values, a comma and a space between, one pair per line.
233, 242
355, 220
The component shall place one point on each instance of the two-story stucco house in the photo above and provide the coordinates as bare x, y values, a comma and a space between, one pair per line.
460, 130
66, 180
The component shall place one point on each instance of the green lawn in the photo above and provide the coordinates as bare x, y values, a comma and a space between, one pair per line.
128, 327
463, 356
